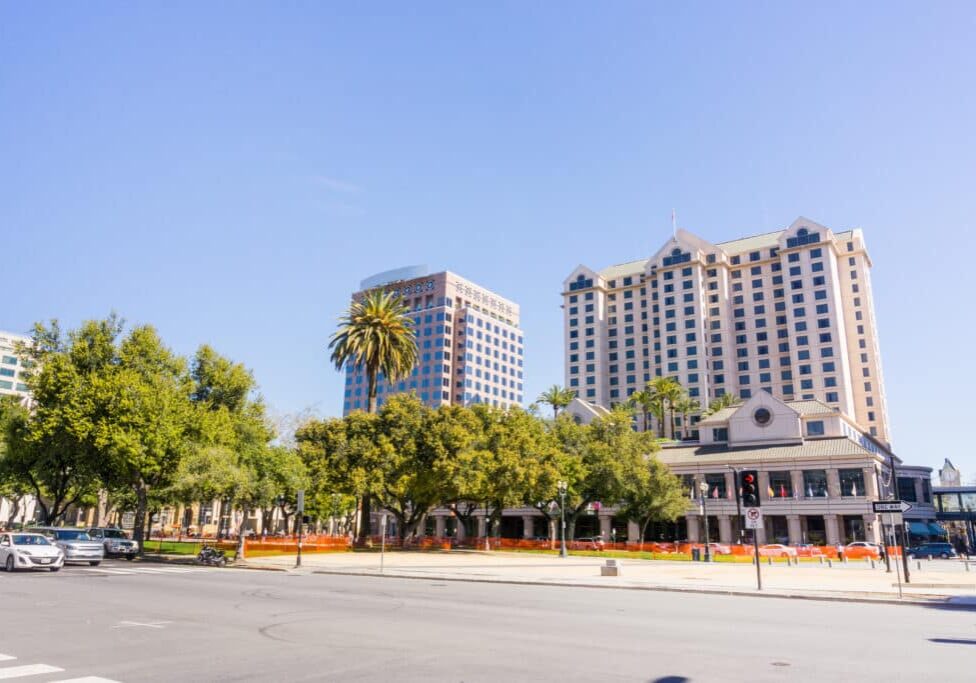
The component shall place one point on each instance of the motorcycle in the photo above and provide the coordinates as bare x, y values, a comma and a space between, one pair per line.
212, 556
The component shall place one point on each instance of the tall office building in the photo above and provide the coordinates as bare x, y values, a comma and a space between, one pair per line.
12, 368
789, 312
469, 343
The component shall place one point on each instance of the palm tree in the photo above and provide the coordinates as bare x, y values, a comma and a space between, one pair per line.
645, 402
557, 397
377, 334
685, 407
667, 391
720, 402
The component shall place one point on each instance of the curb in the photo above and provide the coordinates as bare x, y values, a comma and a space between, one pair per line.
915, 600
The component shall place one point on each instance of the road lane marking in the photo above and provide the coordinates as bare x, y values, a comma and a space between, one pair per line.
140, 624
85, 679
6, 658
27, 670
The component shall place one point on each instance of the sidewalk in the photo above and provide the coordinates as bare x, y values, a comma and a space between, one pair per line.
811, 581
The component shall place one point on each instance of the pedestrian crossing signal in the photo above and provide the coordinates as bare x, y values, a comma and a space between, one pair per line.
750, 488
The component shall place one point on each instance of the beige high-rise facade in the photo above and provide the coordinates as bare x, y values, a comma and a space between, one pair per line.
789, 312
469, 343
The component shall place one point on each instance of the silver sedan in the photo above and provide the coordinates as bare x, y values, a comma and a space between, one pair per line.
29, 551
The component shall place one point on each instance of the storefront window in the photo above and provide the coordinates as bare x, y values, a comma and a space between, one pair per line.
852, 483
815, 483
950, 502
853, 529
780, 485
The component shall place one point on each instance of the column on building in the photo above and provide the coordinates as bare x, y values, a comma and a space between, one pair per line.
833, 483
763, 485
633, 532
797, 478
528, 526
439, 523
830, 526
694, 527
725, 528
793, 526
919, 491
606, 524
872, 530
870, 483
483, 526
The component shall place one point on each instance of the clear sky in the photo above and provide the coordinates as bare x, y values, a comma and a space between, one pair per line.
229, 171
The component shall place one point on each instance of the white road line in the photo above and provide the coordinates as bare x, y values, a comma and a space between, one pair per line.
27, 670
6, 658
85, 679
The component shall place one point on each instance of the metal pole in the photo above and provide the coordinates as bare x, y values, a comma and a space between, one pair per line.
562, 520
755, 550
884, 532
891, 523
738, 505
708, 556
904, 532
299, 512
382, 541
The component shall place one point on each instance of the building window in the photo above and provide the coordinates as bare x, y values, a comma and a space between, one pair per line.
780, 485
720, 434
852, 483
815, 483
716, 485
906, 489
815, 428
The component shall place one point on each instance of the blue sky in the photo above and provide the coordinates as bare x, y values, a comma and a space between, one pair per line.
229, 171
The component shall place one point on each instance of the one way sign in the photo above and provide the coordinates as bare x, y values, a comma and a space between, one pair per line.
891, 506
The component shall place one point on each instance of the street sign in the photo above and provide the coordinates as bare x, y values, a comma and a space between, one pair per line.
754, 518
891, 506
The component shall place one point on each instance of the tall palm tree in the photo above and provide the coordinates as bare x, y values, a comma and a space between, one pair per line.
557, 397
645, 402
685, 407
667, 391
377, 334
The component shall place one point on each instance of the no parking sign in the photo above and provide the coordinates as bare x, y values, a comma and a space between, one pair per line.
754, 519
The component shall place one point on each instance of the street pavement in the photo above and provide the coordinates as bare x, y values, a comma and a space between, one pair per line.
937, 580
137, 623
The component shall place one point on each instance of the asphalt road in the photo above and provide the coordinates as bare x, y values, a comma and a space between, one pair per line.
141, 622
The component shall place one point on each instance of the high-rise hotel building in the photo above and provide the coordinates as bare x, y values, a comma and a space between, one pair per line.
13, 367
469, 343
789, 312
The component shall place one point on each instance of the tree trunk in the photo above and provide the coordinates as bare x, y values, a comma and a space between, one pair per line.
14, 509
142, 502
643, 531
371, 390
364, 521
242, 534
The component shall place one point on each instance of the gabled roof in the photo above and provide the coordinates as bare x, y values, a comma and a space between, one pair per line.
803, 407
621, 269
715, 453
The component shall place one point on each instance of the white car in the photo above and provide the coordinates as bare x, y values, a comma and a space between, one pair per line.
776, 550
29, 551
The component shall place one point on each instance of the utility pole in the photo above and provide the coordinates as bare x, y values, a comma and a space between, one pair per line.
300, 510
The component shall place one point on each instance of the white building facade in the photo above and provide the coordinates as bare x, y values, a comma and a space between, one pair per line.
789, 312
12, 367
469, 343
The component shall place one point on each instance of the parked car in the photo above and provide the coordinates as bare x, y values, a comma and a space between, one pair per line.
808, 550
777, 550
29, 551
115, 542
943, 550
719, 549
77, 545
858, 550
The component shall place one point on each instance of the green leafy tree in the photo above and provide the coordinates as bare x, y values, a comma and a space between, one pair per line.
667, 392
720, 402
557, 397
652, 494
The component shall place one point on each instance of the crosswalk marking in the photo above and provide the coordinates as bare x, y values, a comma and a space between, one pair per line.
85, 679
27, 670
138, 570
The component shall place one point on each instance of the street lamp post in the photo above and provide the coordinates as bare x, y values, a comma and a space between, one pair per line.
562, 518
703, 487
738, 505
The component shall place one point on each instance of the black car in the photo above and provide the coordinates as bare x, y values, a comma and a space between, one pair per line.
943, 550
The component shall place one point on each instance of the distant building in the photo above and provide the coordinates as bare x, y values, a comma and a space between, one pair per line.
12, 367
949, 475
469, 343
790, 312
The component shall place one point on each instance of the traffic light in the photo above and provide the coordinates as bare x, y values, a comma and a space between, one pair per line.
750, 488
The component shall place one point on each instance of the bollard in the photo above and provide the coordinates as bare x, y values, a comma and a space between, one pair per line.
769, 561
821, 559
918, 564
868, 560
830, 563
967, 565
872, 563
845, 559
